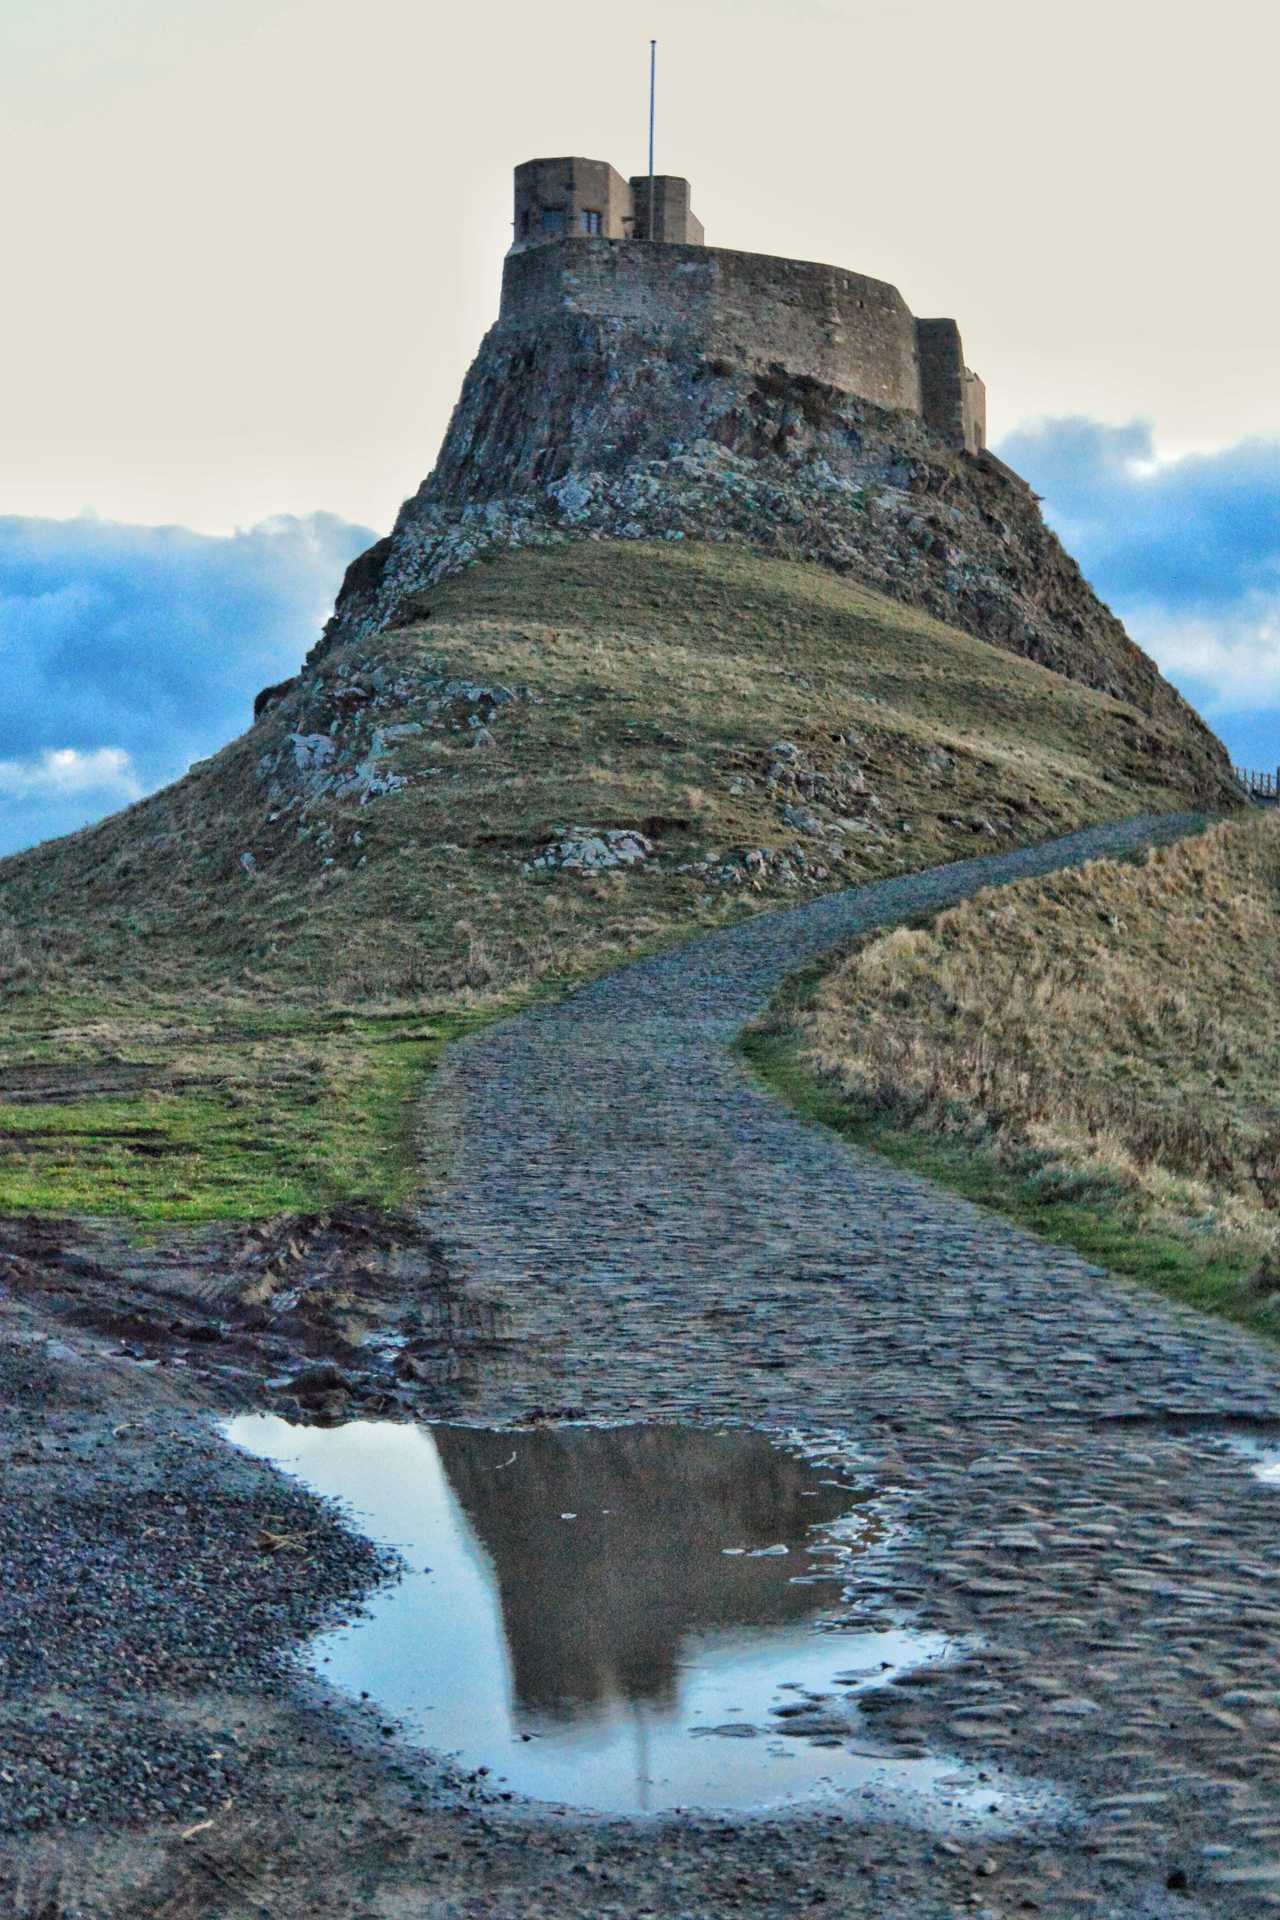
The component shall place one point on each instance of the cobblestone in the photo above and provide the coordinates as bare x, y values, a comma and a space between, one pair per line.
674, 1243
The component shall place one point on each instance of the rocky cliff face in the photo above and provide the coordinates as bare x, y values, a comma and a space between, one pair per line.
586, 428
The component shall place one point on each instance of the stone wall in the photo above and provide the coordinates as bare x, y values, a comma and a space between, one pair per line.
673, 215
576, 225
565, 189
750, 309
952, 399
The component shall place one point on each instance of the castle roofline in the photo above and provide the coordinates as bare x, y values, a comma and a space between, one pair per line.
568, 195
565, 160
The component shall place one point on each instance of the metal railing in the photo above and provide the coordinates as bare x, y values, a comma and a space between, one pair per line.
1263, 787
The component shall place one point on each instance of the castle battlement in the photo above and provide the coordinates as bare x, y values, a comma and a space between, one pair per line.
581, 245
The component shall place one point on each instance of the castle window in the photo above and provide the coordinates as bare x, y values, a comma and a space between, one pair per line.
592, 222
553, 220
524, 224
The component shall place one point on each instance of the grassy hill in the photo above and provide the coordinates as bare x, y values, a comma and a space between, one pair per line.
221, 1001
1096, 1053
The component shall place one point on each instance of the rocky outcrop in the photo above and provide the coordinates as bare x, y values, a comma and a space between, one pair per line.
579, 427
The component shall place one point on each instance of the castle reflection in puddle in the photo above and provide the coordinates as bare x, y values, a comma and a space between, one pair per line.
579, 1603
675, 1533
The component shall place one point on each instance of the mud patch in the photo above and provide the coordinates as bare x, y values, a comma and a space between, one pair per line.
321, 1315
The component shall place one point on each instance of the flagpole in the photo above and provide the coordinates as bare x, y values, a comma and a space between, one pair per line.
653, 87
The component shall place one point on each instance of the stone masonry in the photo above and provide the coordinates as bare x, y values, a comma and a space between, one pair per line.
572, 252
573, 198
676, 1245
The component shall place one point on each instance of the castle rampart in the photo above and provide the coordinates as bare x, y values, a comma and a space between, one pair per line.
582, 245
837, 327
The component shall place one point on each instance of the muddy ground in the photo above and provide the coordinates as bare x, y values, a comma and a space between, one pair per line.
162, 1754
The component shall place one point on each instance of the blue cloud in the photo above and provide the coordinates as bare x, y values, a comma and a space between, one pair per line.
127, 652
1187, 552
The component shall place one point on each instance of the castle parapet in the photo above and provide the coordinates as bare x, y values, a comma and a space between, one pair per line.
747, 308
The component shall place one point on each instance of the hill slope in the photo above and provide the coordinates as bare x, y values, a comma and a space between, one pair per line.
570, 426
414, 825
759, 724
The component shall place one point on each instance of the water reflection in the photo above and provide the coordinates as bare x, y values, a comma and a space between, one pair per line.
612, 1548
1263, 1456
581, 1603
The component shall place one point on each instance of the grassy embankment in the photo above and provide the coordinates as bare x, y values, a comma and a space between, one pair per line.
1095, 1055
185, 1036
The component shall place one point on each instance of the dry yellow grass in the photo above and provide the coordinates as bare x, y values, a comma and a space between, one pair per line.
1119, 1022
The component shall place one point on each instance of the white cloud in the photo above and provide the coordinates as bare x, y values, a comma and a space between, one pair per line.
1232, 659
1186, 550
108, 773
127, 652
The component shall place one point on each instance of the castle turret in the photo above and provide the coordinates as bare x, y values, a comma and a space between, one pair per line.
572, 198
673, 218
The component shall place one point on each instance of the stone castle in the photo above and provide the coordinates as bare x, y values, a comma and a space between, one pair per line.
639, 385
573, 250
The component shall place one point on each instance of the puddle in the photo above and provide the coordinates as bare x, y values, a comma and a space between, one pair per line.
1263, 1456
623, 1619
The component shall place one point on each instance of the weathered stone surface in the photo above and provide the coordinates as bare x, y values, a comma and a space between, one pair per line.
581, 427
593, 850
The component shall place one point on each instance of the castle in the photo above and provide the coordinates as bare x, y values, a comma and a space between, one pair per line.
574, 250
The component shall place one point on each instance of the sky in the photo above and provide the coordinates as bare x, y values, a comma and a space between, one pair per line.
257, 242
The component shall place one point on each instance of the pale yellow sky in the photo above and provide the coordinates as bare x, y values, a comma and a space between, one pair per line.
252, 244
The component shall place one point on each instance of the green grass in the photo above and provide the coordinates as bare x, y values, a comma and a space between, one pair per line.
243, 1112
271, 1116
1086, 1214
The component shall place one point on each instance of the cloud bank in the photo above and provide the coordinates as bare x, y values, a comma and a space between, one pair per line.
1186, 551
127, 652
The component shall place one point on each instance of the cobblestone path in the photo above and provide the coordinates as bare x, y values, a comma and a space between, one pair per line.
673, 1242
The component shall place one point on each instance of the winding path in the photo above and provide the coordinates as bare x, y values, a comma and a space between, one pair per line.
672, 1241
